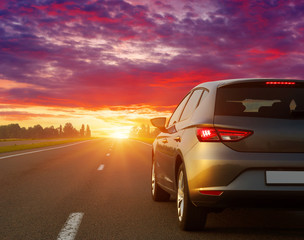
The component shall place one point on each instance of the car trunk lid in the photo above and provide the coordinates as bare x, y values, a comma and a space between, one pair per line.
273, 112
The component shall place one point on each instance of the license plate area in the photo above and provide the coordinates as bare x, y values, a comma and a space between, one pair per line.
285, 177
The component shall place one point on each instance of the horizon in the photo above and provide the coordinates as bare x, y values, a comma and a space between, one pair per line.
116, 64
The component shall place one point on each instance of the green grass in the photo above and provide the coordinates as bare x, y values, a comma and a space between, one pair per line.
146, 140
13, 148
14, 139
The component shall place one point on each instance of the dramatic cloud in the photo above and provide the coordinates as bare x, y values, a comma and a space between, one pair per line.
99, 54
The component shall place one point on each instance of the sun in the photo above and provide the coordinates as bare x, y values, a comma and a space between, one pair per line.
120, 135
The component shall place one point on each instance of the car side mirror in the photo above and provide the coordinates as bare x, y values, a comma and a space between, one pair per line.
160, 123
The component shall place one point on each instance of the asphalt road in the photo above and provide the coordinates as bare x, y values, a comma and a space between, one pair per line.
100, 189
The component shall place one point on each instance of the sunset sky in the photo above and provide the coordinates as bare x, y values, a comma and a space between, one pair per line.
114, 64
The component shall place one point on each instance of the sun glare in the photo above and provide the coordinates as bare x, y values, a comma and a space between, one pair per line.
120, 135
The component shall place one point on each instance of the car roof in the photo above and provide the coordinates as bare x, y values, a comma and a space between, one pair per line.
219, 83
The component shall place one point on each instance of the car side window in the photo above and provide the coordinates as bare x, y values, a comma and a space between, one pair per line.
191, 104
176, 114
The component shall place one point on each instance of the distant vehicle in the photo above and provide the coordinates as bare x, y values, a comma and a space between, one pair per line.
231, 143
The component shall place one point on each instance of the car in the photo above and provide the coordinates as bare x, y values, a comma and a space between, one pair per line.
229, 144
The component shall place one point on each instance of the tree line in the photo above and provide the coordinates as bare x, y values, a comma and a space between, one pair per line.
37, 131
144, 131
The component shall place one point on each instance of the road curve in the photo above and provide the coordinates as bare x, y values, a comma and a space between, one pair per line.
101, 190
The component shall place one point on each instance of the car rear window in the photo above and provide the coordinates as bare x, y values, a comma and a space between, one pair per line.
258, 99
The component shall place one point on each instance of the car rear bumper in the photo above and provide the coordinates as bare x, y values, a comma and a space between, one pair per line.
241, 176
250, 190
269, 199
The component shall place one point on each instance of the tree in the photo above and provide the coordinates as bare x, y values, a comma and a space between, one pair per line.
134, 131
88, 131
3, 132
37, 131
69, 130
82, 130
60, 130
51, 132
144, 131
13, 131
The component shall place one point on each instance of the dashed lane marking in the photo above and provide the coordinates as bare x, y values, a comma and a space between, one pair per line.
70, 228
101, 167
108, 154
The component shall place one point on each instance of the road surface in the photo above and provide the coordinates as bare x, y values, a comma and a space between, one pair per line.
100, 189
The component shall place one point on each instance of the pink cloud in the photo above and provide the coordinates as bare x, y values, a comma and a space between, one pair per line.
92, 54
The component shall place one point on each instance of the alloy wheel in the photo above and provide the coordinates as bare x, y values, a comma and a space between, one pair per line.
153, 179
180, 196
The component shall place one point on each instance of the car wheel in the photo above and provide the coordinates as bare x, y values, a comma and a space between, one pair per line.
190, 217
158, 194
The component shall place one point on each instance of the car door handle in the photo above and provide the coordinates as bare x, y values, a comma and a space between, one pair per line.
177, 139
165, 140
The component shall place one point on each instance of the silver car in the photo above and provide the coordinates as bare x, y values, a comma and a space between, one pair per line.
231, 143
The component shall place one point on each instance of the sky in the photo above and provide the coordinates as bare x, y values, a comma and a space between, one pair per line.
114, 64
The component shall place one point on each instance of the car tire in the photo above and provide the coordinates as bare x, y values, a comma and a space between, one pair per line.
158, 194
190, 217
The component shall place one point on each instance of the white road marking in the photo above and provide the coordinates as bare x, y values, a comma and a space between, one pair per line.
108, 154
70, 228
42, 150
101, 167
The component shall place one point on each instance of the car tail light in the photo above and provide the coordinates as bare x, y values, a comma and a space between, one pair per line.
280, 83
207, 135
211, 134
212, 193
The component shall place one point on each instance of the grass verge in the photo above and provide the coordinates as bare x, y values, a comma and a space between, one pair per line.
13, 148
13, 139
146, 140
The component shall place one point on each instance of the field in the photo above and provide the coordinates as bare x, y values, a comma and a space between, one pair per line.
10, 145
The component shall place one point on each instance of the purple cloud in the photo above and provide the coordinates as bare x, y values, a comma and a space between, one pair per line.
114, 52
